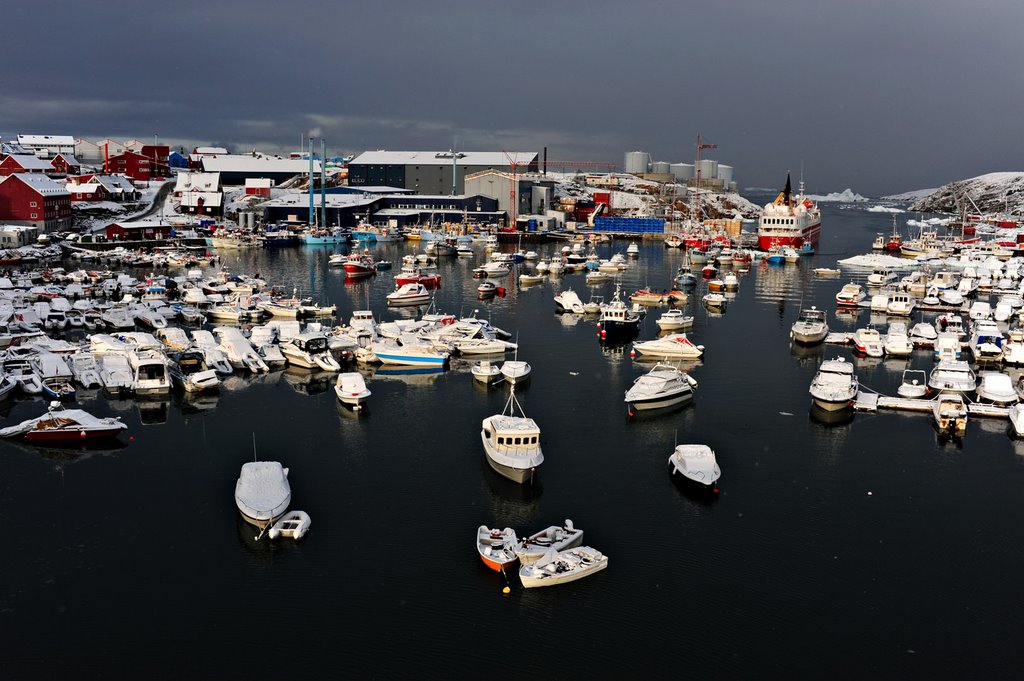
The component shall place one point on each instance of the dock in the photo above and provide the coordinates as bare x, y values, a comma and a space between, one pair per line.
872, 402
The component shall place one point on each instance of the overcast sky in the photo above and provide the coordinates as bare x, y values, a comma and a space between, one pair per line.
879, 96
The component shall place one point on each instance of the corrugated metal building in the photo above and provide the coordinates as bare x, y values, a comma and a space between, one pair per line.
431, 172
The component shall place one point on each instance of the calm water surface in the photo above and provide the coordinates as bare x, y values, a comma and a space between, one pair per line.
859, 548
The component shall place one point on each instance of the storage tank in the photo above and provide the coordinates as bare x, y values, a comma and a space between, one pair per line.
661, 168
725, 173
682, 171
708, 168
637, 161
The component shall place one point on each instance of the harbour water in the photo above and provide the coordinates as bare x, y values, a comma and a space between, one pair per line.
860, 547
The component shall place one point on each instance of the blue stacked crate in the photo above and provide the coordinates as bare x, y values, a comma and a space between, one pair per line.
629, 225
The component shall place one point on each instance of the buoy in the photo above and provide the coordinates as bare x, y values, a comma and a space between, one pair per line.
632, 354
506, 590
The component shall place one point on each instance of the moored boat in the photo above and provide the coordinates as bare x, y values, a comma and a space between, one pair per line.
696, 463
262, 492
65, 425
512, 442
663, 386
562, 567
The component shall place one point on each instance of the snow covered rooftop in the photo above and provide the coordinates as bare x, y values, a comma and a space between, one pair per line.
42, 184
210, 150
434, 158
46, 140
197, 182
247, 163
29, 162
332, 200
70, 159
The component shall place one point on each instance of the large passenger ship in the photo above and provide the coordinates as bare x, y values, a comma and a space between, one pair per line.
789, 220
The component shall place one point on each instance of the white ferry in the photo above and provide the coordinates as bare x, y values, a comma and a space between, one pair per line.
789, 221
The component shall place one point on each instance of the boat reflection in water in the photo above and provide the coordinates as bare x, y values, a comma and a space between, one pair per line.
153, 412
305, 382
408, 375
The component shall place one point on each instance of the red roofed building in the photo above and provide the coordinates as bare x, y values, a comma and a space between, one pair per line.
65, 165
35, 200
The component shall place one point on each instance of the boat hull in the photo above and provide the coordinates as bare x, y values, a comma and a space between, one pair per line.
662, 401
519, 475
74, 434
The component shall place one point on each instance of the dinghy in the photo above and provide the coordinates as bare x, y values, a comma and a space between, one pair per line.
562, 567
497, 548
531, 549
293, 524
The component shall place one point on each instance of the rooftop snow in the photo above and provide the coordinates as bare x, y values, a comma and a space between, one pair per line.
29, 162
435, 158
42, 184
247, 163
31, 140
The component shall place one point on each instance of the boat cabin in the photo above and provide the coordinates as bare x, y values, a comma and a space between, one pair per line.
313, 343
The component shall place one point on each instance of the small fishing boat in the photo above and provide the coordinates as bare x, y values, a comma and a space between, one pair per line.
562, 567
262, 492
486, 372
351, 389
496, 548
512, 442
714, 301
696, 463
532, 548
65, 425
826, 272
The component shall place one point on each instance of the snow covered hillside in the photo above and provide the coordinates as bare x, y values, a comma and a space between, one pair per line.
991, 193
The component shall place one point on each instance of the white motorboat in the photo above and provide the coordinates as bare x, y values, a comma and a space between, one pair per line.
562, 567
512, 443
714, 300
835, 386
84, 369
986, 343
189, 371
1013, 350
409, 350
672, 346
21, 370
568, 301
558, 538
1017, 419
850, 295
239, 351
996, 388
527, 279
868, 342
923, 333
897, 342
810, 327
150, 374
214, 356
914, 384
409, 294
351, 389
115, 373
696, 463
950, 414
262, 492
486, 372
633, 251
673, 319
900, 304
663, 386
310, 351
7, 386
952, 376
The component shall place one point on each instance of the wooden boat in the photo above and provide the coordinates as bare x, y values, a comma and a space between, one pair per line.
562, 567
497, 548
532, 548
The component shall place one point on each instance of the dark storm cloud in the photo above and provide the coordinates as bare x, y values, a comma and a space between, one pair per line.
877, 96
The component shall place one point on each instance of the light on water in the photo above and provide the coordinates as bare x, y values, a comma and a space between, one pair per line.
837, 543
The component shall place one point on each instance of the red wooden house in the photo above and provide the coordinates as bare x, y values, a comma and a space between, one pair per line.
35, 200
